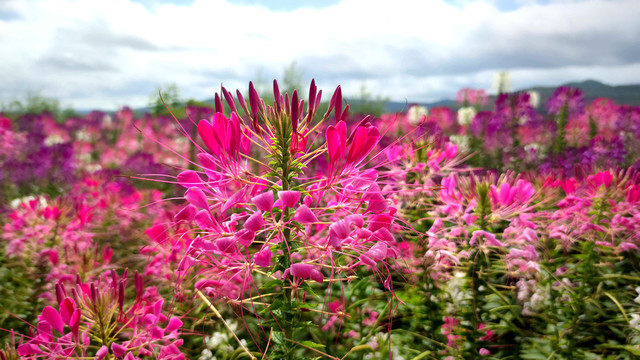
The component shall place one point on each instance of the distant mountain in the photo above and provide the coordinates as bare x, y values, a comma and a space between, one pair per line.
397, 106
592, 89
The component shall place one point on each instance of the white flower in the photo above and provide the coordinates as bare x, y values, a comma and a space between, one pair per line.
83, 135
523, 292
53, 139
216, 339
416, 113
461, 140
638, 298
15, 203
93, 168
635, 322
466, 115
206, 355
502, 82
534, 98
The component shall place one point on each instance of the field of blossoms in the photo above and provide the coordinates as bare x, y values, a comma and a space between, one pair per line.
290, 228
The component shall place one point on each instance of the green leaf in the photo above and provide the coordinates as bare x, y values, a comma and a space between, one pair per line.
306, 287
277, 337
271, 284
633, 349
311, 344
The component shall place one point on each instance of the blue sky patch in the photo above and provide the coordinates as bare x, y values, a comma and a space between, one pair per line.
8, 15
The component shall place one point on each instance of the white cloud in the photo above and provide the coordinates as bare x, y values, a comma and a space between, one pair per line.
114, 52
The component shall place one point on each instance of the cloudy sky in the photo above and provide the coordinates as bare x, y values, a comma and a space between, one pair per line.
108, 53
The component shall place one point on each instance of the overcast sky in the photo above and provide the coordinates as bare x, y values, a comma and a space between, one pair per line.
108, 53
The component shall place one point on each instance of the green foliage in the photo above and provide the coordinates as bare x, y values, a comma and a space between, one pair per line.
166, 100
37, 104
292, 79
366, 103
19, 294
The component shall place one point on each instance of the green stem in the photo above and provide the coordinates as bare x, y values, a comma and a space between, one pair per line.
559, 142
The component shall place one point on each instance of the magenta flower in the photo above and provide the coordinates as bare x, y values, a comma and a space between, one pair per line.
305, 271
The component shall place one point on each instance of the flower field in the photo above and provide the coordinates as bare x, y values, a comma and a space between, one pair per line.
290, 228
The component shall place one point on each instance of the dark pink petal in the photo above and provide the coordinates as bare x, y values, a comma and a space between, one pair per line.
263, 258
203, 245
627, 246
197, 197
312, 96
341, 228
364, 233
379, 221
204, 219
376, 202
187, 213
185, 264
245, 237
378, 252
356, 219
336, 141
102, 352
217, 104
219, 124
67, 306
53, 317
364, 139
489, 238
150, 319
45, 332
304, 215
253, 102
388, 284
117, 349
74, 321
208, 161
234, 136
156, 333
245, 143
157, 307
318, 99
53, 257
29, 349
205, 129
294, 111
338, 102
234, 200
254, 222
264, 201
227, 245
383, 234
61, 293
207, 283
306, 271
137, 281
189, 179
345, 113
334, 240
289, 198
107, 254
229, 98
242, 102
174, 324
157, 233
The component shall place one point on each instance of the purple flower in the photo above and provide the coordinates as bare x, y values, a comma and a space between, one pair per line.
565, 96
142, 163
